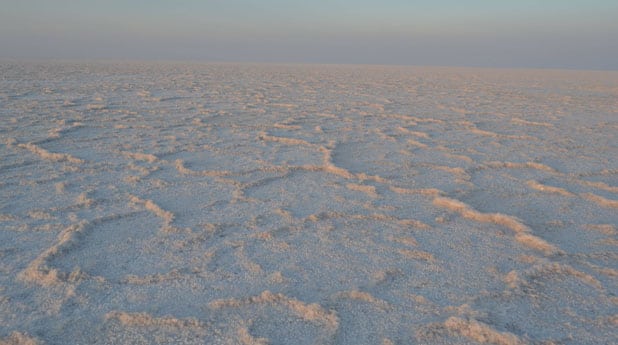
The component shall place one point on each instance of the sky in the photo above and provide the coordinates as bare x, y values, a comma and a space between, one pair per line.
575, 34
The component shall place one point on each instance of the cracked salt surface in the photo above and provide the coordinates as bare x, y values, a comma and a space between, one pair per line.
261, 204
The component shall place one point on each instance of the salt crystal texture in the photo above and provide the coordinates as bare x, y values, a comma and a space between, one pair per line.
157, 203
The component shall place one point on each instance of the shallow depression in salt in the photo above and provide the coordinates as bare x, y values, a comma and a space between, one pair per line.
286, 204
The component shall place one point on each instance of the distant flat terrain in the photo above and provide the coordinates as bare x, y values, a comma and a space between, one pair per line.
169, 203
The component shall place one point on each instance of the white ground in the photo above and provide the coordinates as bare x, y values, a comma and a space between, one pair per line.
242, 204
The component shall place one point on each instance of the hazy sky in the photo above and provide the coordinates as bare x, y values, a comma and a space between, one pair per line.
494, 33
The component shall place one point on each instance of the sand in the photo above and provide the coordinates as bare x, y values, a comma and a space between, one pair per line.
178, 203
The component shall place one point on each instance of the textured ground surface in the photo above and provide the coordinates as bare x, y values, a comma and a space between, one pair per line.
240, 204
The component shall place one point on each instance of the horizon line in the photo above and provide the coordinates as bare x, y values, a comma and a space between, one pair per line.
289, 63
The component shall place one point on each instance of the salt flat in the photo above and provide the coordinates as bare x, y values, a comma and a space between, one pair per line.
156, 203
